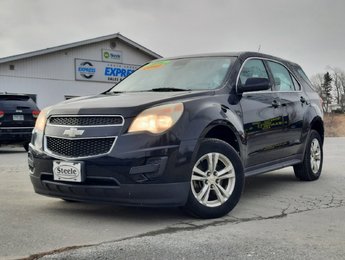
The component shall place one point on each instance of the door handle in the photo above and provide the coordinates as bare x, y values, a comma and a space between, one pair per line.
224, 108
275, 103
303, 100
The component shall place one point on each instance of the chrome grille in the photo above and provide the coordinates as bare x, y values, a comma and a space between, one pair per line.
86, 120
74, 148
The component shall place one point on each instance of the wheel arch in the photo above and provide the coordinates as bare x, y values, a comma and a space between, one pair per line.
317, 125
212, 119
225, 131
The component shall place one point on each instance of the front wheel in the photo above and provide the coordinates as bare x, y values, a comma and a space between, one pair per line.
310, 168
217, 180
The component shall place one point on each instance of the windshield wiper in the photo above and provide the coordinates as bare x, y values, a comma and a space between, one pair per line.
169, 89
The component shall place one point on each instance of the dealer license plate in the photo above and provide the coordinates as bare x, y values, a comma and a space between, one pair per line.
68, 171
18, 117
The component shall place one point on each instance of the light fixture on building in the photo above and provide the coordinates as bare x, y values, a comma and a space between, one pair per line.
112, 44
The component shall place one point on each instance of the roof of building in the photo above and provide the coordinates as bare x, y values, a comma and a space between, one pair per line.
77, 44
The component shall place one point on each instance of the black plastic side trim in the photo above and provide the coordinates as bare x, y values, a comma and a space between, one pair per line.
275, 165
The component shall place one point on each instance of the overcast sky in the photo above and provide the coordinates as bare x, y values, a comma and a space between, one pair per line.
309, 32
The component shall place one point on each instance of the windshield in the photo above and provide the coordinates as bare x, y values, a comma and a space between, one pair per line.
177, 75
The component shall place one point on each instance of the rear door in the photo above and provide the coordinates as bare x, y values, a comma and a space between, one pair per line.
262, 117
294, 104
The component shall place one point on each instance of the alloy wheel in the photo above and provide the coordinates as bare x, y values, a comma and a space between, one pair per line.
213, 179
315, 155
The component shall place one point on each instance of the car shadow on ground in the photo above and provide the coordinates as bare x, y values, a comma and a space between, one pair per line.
10, 149
107, 212
267, 184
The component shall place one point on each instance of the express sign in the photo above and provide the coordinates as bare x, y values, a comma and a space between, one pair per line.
117, 72
87, 70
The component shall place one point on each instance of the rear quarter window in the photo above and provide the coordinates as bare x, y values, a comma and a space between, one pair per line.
304, 76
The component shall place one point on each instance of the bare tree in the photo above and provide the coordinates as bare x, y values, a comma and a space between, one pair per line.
342, 82
338, 86
317, 81
323, 87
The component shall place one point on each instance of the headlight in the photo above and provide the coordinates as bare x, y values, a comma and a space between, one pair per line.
41, 120
157, 119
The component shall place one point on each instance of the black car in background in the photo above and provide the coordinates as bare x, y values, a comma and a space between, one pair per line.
18, 114
182, 131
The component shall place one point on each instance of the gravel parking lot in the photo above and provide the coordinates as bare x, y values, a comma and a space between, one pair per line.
278, 217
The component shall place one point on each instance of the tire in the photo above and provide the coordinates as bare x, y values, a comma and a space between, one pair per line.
311, 167
215, 191
26, 146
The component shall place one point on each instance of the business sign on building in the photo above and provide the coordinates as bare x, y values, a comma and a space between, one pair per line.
111, 55
88, 70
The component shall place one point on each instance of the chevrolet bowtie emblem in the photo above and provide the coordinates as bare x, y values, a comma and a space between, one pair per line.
73, 132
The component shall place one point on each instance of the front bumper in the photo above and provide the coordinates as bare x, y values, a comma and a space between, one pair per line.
163, 194
158, 176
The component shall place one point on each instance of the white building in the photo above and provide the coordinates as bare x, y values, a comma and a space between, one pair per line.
77, 69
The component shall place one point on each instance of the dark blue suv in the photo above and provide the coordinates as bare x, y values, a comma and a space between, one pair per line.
18, 114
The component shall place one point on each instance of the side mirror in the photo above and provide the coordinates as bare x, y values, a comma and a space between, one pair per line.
254, 84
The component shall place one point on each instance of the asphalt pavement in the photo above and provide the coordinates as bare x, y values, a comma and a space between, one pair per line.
278, 217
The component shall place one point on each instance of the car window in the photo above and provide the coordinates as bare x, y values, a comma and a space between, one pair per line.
303, 75
296, 84
13, 101
253, 69
281, 76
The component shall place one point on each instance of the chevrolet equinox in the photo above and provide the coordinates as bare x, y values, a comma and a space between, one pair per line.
182, 131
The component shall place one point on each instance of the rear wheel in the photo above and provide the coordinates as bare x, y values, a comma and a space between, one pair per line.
217, 180
310, 168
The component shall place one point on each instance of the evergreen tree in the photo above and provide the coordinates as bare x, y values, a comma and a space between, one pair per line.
327, 90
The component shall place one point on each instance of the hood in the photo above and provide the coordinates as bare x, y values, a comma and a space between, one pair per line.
127, 104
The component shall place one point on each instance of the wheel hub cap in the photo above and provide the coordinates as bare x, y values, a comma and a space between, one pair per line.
315, 155
213, 179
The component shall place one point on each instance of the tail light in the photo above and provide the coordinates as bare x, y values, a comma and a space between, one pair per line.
2, 113
35, 113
